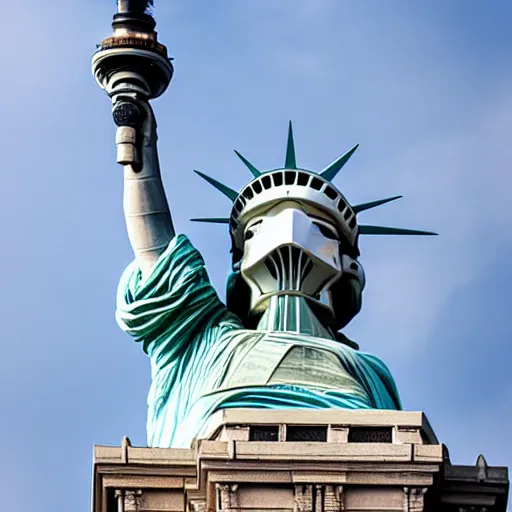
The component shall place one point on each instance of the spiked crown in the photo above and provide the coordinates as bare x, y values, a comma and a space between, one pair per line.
291, 183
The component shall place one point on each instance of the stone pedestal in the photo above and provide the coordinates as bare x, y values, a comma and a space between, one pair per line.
298, 461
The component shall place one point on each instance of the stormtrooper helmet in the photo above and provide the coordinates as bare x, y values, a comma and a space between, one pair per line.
294, 233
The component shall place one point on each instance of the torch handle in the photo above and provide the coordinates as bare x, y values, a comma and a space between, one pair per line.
126, 144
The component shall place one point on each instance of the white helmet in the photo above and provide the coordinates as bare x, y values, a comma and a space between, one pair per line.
294, 233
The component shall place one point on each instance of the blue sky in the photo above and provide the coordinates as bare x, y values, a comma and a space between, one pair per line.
425, 88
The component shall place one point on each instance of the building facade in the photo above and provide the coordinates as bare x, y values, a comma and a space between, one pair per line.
299, 461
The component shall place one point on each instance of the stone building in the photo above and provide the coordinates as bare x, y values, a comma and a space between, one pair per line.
299, 461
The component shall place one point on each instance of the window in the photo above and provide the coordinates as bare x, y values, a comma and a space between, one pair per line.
370, 435
264, 433
306, 434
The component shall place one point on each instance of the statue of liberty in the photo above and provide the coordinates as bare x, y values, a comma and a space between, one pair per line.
296, 276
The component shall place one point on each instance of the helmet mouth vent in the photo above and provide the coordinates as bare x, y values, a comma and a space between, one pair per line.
289, 266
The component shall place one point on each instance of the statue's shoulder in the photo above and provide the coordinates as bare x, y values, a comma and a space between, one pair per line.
181, 258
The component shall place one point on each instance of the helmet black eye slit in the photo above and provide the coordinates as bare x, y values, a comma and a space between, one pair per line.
252, 230
327, 231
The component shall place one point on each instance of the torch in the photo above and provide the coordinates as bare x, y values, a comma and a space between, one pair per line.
131, 65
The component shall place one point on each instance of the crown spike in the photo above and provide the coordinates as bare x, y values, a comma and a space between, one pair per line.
228, 192
290, 161
248, 164
330, 172
383, 230
373, 204
212, 220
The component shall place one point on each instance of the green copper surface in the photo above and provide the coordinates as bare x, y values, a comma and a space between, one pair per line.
248, 164
330, 172
228, 192
204, 360
383, 230
212, 220
289, 313
373, 204
290, 160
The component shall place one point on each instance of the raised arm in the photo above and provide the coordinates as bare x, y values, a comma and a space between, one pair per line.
147, 214
132, 66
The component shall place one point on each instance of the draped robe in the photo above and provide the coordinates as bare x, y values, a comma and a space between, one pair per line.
203, 359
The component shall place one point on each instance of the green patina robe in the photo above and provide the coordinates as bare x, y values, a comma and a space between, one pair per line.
203, 360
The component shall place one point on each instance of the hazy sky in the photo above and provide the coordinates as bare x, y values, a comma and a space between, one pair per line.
424, 87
